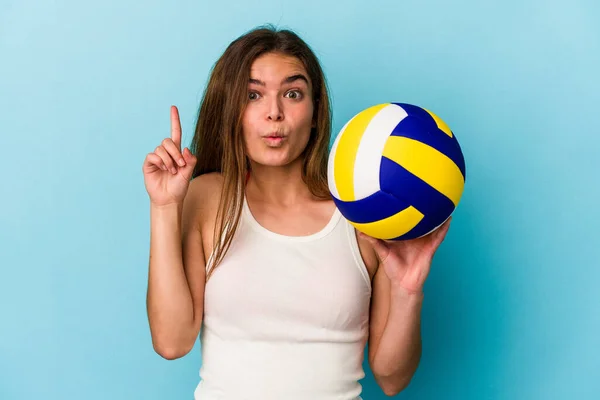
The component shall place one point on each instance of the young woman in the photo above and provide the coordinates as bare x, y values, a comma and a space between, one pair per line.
247, 244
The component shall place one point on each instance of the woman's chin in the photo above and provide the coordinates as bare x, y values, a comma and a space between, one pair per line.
273, 160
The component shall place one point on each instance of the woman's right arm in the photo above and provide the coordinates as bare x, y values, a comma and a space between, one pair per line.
176, 273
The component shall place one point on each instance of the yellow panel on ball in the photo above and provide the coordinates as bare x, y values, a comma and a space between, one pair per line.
440, 123
428, 164
346, 151
391, 227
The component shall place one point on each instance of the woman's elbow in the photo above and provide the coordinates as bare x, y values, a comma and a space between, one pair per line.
170, 351
392, 387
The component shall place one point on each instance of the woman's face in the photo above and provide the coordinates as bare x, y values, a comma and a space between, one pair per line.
279, 115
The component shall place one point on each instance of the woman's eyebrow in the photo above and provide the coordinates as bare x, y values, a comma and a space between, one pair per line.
289, 79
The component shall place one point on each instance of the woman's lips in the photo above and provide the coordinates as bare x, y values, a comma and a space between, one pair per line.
274, 139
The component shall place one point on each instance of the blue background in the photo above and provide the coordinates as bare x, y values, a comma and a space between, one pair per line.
512, 305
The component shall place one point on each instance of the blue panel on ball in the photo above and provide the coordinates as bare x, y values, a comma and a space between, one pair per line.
426, 225
411, 190
418, 112
377, 206
418, 122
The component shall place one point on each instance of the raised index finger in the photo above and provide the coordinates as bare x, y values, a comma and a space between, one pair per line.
175, 127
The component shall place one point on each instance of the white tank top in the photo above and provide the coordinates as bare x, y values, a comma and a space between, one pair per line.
286, 317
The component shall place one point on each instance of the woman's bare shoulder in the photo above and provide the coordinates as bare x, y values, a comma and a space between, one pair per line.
208, 181
203, 197
205, 189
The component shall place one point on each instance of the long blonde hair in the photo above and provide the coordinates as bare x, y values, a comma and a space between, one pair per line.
218, 143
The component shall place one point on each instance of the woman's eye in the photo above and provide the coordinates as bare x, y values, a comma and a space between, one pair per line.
294, 94
252, 95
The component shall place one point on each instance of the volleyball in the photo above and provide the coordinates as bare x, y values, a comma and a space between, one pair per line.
396, 171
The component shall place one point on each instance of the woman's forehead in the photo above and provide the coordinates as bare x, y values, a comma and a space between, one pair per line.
277, 69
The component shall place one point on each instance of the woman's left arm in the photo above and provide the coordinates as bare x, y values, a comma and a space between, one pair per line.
395, 332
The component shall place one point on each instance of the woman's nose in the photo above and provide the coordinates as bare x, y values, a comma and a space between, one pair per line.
275, 111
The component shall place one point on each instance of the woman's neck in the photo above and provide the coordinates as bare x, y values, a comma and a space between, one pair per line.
279, 186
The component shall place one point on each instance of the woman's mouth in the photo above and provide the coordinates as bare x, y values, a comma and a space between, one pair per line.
273, 139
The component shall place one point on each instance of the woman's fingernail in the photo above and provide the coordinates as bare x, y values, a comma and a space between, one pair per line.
181, 162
